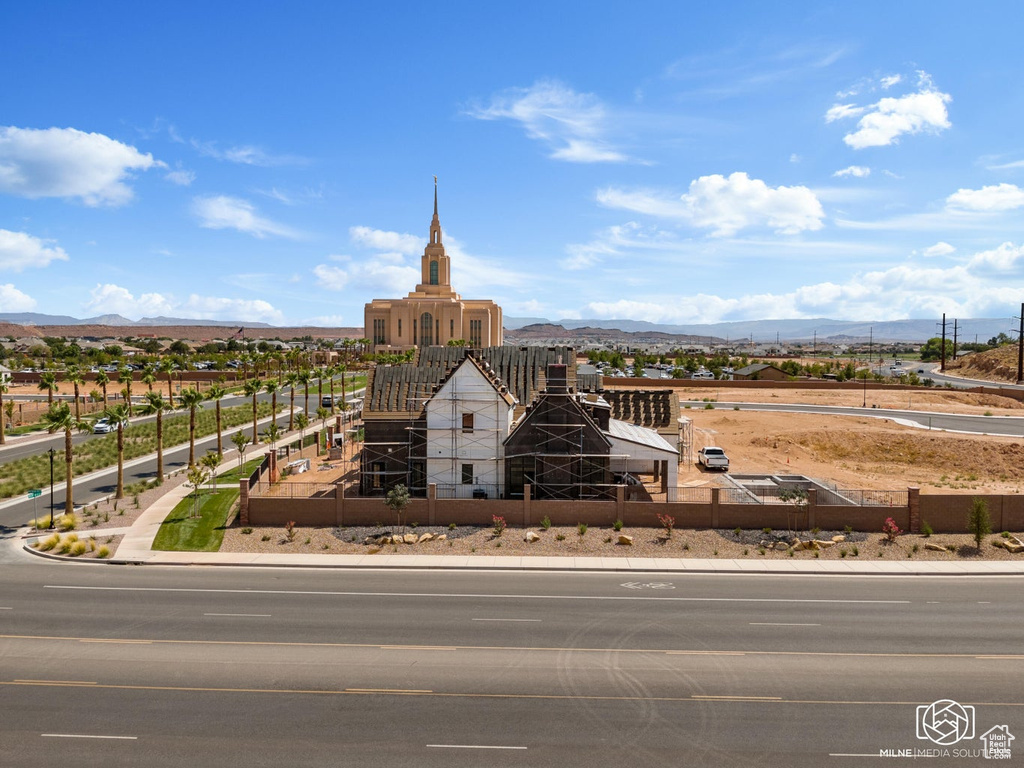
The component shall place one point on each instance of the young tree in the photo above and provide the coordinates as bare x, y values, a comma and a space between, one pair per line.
979, 523
397, 500
302, 421
272, 433
196, 478
148, 377
210, 462
191, 398
241, 440
215, 393
156, 404
59, 418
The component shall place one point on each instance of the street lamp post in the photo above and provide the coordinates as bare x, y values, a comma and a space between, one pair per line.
51, 453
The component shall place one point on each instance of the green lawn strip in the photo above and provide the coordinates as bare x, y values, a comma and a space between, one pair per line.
236, 474
16, 477
181, 533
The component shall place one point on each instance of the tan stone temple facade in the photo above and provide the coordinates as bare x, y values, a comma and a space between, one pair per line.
433, 314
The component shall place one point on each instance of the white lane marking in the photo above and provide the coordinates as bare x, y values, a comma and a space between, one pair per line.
853, 754
480, 596
86, 736
779, 624
470, 746
506, 619
6, 609
984, 602
253, 615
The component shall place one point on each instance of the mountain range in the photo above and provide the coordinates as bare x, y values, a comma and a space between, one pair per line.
790, 330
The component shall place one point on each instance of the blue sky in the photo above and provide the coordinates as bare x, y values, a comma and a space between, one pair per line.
673, 162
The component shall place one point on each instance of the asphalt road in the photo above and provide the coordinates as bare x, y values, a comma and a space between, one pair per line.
1012, 426
293, 668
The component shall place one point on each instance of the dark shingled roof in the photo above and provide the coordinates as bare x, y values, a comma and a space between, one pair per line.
647, 407
403, 387
521, 369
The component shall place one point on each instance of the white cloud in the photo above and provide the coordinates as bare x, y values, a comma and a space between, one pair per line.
328, 321
13, 300
1000, 197
613, 241
1006, 166
882, 123
890, 81
110, 298
975, 288
65, 162
573, 124
939, 249
728, 204
246, 155
858, 171
795, 158
390, 279
223, 212
842, 111
19, 250
382, 240
181, 177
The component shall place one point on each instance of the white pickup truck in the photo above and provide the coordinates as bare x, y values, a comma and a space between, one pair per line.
713, 458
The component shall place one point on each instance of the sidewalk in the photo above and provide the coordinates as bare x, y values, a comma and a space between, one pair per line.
136, 549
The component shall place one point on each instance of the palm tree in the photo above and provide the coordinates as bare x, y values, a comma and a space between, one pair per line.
58, 418
321, 372
155, 403
148, 377
48, 382
75, 376
119, 413
291, 379
215, 393
167, 366
125, 376
252, 388
271, 386
332, 371
3, 391
191, 398
101, 381
305, 377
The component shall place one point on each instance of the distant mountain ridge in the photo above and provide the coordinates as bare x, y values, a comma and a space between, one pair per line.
36, 318
790, 330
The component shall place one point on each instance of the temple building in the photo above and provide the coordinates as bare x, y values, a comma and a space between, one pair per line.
433, 314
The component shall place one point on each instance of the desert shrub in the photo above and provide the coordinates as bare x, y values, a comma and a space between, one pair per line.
926, 530
890, 529
67, 522
289, 530
78, 548
668, 523
499, 524
617, 525
103, 553
247, 530
545, 523
581, 528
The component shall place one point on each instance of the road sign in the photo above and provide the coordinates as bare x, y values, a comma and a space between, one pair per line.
33, 492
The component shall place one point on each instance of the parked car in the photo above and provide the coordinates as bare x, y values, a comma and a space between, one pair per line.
105, 425
713, 457
327, 401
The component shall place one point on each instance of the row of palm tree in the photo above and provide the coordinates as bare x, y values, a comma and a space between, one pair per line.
59, 417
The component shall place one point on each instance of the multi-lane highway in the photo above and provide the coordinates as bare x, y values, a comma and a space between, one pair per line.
170, 667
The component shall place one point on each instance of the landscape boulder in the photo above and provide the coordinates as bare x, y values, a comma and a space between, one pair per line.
410, 538
838, 539
625, 540
531, 537
425, 537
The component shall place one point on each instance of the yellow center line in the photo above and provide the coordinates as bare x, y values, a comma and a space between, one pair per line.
517, 648
387, 690
695, 699
57, 682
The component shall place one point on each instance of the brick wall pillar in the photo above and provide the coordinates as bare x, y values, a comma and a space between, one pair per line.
275, 473
243, 501
714, 507
339, 503
620, 501
337, 425
527, 493
431, 503
914, 503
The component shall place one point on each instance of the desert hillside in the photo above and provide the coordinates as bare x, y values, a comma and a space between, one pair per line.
998, 364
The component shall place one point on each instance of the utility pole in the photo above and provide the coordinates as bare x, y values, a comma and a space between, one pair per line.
954, 339
942, 365
814, 351
1020, 348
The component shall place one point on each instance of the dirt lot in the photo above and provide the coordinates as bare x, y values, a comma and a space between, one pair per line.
860, 452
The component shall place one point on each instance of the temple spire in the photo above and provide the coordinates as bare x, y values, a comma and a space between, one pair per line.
435, 196
435, 223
